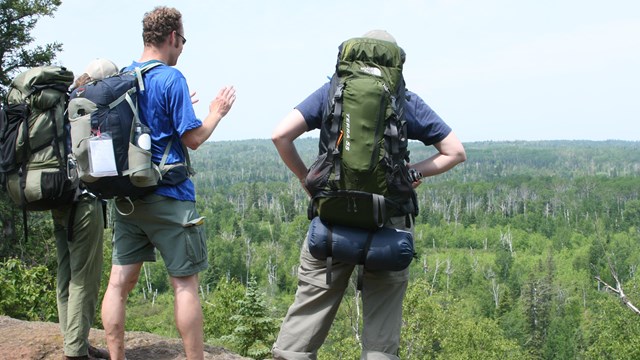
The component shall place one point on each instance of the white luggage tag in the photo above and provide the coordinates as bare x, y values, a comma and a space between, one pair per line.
102, 159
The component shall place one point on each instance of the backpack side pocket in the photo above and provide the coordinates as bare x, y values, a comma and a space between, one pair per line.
142, 172
80, 134
318, 175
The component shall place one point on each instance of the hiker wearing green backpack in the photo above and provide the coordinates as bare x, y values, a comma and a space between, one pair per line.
361, 189
38, 167
78, 230
166, 219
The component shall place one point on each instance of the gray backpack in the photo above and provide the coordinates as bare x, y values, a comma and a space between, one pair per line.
34, 140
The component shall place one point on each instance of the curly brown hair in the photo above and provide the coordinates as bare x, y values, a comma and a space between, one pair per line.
82, 80
158, 23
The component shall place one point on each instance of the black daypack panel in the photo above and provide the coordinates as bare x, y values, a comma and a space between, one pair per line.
11, 117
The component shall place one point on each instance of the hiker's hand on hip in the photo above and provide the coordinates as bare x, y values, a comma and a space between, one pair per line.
223, 101
305, 188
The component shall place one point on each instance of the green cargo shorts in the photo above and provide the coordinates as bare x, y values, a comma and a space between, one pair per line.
172, 226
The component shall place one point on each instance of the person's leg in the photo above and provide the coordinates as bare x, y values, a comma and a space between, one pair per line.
63, 274
122, 280
188, 315
80, 268
309, 318
382, 296
85, 253
131, 248
176, 230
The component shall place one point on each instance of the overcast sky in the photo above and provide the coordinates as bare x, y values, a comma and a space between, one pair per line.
492, 69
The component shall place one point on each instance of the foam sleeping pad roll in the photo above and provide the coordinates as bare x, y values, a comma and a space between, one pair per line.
389, 249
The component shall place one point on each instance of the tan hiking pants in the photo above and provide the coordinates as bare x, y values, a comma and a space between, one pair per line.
309, 318
79, 271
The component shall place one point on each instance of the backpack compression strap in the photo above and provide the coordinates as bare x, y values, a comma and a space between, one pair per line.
335, 135
392, 127
23, 175
329, 253
379, 203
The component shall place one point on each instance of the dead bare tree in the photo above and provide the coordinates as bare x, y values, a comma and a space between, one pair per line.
490, 275
248, 256
353, 310
147, 289
618, 289
475, 264
506, 239
435, 275
448, 271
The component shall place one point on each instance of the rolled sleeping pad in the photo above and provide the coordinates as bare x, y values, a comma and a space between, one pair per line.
390, 249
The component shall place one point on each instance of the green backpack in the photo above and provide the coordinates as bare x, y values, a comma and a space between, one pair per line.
360, 177
34, 140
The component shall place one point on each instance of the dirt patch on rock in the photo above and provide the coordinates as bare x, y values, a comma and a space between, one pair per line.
41, 340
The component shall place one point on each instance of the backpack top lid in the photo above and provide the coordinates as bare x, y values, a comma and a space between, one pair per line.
380, 58
42, 76
376, 47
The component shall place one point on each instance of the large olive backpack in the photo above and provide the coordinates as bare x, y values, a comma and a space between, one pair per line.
360, 177
34, 140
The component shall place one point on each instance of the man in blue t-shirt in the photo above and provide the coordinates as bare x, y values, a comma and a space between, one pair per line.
166, 220
308, 320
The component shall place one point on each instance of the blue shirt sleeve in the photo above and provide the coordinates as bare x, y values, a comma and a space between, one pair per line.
311, 107
423, 123
181, 110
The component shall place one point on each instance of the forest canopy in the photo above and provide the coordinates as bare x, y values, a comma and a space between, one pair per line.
524, 251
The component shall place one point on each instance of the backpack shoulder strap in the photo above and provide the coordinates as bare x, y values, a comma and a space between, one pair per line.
139, 70
165, 155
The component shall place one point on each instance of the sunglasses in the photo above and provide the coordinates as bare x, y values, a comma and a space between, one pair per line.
184, 40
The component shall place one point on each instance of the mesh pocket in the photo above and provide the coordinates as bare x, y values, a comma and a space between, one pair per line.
44, 189
12, 118
52, 184
318, 175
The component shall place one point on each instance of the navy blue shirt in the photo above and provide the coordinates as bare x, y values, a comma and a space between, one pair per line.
423, 123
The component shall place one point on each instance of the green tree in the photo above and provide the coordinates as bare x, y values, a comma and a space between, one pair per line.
255, 329
632, 213
219, 307
19, 18
27, 292
612, 331
537, 295
437, 327
563, 339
